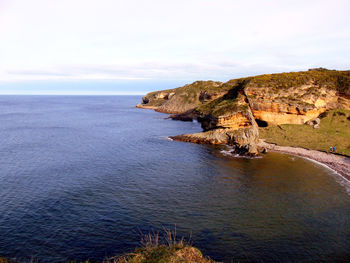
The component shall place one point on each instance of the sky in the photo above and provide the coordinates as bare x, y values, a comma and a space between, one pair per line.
136, 46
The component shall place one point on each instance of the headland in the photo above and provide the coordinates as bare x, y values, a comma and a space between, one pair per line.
302, 113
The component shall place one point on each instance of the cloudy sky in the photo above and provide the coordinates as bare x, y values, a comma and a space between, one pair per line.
134, 46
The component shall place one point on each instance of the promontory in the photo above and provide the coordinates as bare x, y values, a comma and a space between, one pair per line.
232, 112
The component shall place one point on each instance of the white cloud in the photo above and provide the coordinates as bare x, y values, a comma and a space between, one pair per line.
159, 39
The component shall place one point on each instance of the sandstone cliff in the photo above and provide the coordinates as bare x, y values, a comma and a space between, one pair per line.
231, 112
295, 98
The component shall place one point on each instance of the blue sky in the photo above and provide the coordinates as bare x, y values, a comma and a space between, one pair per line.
135, 46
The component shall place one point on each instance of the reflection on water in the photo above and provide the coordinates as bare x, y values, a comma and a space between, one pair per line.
281, 204
82, 176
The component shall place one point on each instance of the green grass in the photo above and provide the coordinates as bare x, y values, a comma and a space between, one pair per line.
153, 250
332, 79
233, 101
188, 93
221, 107
276, 83
334, 131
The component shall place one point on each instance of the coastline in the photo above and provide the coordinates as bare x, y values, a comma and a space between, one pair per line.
146, 107
338, 163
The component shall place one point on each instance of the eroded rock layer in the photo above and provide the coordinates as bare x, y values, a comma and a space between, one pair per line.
229, 112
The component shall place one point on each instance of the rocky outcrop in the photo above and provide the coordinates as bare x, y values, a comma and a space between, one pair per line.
244, 139
227, 120
297, 97
183, 99
291, 106
230, 112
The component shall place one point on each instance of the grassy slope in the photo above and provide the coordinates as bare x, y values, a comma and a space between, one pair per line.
156, 248
334, 131
164, 253
221, 107
188, 93
229, 103
332, 79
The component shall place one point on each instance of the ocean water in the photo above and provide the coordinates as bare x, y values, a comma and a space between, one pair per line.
81, 177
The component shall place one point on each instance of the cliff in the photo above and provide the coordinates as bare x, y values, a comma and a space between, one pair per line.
183, 99
298, 97
231, 112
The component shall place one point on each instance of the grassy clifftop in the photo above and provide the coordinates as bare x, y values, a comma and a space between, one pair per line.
283, 86
239, 105
332, 79
182, 99
334, 130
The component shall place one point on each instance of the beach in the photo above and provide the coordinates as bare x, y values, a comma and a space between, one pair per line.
339, 163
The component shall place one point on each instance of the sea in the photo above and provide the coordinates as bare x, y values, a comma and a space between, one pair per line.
85, 177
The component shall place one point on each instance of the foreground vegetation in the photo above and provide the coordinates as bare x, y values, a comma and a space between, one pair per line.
155, 248
334, 131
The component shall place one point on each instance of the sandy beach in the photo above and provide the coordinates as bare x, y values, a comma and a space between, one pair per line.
338, 163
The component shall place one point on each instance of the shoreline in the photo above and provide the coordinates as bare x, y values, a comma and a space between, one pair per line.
339, 164
141, 106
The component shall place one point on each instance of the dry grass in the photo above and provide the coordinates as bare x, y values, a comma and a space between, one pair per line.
162, 246
156, 247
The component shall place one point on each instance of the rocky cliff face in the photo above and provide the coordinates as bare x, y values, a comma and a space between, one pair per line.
291, 106
228, 120
183, 99
230, 112
297, 97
